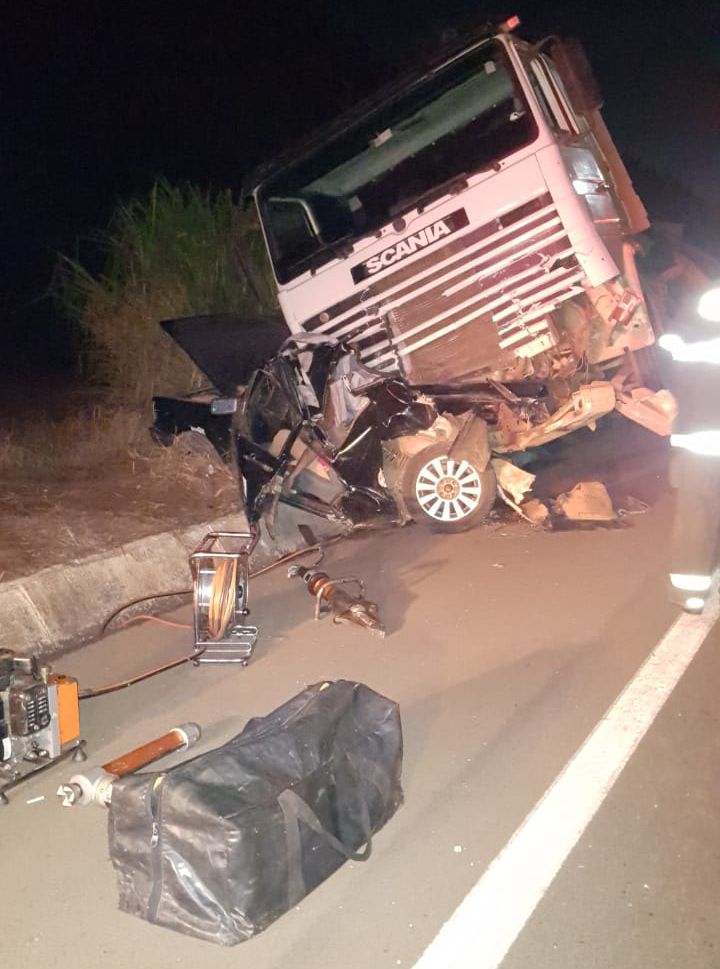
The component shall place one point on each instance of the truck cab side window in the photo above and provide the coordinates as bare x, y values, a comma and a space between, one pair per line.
293, 235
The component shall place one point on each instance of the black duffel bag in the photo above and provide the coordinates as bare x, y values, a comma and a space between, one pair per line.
221, 845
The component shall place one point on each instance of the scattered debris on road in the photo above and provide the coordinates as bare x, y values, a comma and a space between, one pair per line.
632, 506
512, 480
536, 511
588, 501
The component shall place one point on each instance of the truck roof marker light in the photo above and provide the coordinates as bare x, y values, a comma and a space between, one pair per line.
510, 24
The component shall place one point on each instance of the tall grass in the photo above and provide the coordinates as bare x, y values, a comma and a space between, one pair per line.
172, 253
99, 437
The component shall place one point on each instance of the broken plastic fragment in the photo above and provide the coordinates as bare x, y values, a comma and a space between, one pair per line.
513, 480
587, 501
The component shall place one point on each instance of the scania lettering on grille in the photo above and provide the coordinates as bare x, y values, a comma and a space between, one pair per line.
411, 244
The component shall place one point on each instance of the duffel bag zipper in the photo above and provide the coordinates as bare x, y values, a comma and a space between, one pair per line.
154, 802
268, 728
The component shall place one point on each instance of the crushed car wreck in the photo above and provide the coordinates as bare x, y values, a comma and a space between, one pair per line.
455, 261
315, 428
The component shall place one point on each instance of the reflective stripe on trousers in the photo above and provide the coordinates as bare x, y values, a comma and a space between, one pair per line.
699, 442
690, 582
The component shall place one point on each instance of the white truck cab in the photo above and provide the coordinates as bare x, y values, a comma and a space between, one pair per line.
471, 229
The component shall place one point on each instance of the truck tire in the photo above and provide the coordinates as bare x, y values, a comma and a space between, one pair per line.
448, 492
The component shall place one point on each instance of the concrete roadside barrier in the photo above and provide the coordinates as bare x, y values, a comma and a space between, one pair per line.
64, 606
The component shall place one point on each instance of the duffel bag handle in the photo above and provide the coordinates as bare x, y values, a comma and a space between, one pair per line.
295, 809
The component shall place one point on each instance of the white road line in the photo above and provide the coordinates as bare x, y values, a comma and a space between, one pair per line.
481, 930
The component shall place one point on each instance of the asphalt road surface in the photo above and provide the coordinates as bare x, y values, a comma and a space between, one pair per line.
506, 647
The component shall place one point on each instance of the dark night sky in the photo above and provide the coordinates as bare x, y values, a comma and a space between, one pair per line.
100, 96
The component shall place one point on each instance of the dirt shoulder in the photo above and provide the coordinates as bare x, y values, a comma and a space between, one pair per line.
55, 520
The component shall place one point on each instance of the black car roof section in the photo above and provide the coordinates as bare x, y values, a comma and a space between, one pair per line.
430, 63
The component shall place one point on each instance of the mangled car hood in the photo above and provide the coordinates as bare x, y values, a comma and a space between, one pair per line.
228, 348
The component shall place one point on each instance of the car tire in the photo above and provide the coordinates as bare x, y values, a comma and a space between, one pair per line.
448, 492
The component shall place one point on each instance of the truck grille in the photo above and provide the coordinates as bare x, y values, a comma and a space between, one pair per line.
510, 273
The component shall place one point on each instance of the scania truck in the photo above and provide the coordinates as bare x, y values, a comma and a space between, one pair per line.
472, 228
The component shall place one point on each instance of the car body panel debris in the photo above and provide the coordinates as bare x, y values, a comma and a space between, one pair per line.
655, 411
588, 501
514, 481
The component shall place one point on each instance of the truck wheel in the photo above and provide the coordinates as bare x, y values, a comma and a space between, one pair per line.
448, 492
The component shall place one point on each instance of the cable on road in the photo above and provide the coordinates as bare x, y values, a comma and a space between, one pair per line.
219, 612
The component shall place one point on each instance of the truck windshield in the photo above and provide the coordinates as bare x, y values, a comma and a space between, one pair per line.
459, 120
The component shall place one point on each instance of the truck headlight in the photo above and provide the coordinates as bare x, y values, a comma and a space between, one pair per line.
709, 305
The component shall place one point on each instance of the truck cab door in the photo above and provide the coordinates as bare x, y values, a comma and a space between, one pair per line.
581, 155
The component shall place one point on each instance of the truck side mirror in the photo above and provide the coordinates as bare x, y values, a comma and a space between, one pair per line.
574, 68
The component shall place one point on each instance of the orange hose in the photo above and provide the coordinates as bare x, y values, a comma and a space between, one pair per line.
223, 593
163, 622
90, 692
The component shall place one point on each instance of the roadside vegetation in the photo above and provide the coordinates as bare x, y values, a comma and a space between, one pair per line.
89, 439
178, 251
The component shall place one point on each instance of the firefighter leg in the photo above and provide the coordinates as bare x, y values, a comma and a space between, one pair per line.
694, 547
